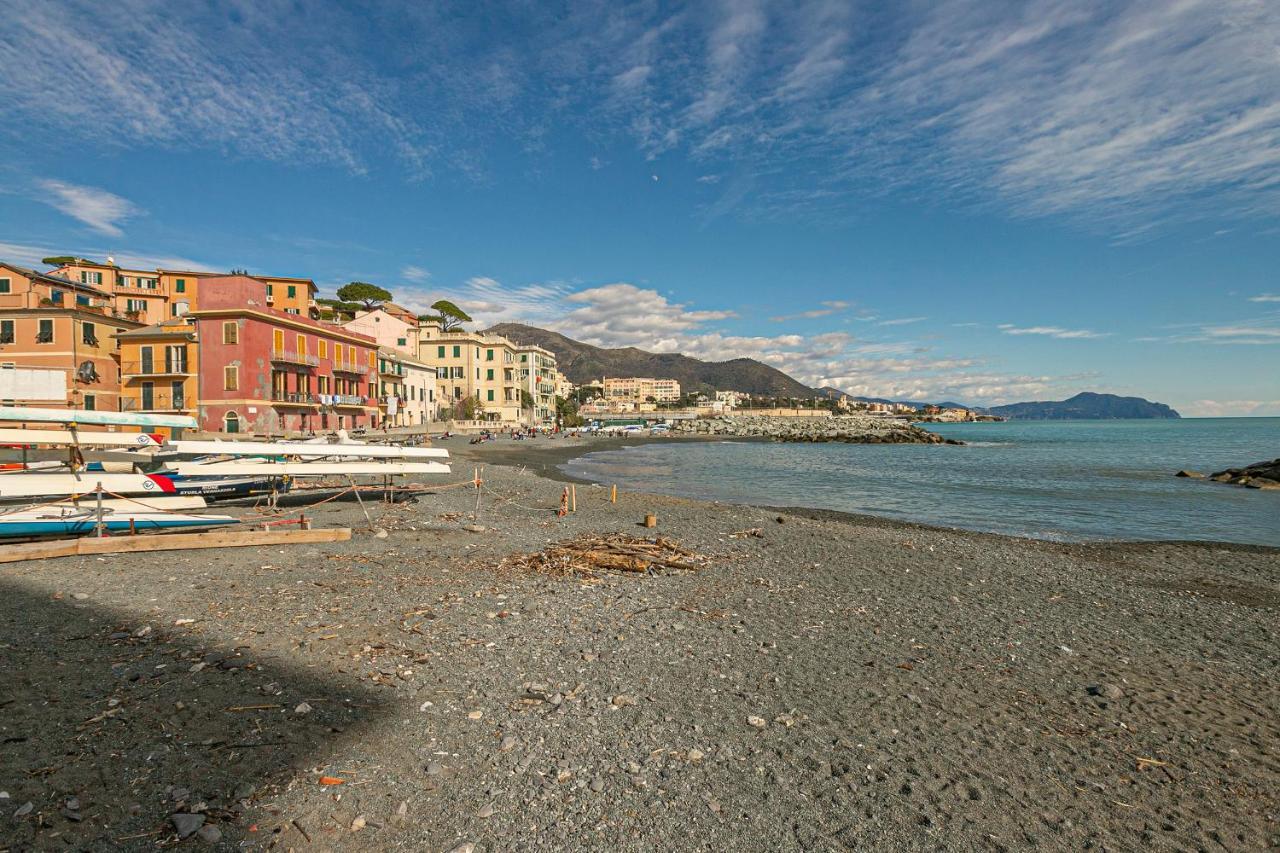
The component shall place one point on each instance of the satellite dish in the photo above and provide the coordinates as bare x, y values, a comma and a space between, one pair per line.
111, 260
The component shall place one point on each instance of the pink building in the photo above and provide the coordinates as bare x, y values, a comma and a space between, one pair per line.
266, 371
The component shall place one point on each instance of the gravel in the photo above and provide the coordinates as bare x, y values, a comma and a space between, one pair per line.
835, 682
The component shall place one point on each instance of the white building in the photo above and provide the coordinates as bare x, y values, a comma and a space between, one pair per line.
406, 388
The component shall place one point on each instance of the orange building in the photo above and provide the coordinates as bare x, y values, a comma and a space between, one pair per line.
159, 368
47, 321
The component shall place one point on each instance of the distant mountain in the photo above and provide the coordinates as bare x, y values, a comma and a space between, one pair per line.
837, 394
1086, 406
584, 363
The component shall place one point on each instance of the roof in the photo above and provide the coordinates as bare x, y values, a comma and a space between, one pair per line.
160, 330
60, 281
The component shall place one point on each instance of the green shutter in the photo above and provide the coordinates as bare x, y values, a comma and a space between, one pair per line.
489, 375
490, 396
439, 352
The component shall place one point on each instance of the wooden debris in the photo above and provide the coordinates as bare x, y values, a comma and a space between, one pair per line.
168, 542
589, 554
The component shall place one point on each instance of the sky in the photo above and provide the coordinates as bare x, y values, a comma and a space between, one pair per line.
984, 202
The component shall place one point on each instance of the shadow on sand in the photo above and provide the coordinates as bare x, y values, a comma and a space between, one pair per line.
109, 726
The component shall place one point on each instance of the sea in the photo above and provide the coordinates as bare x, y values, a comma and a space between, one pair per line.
1058, 480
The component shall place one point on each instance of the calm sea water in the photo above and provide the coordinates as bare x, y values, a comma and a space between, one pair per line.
1070, 480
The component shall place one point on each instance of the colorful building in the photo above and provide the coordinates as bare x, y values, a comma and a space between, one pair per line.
160, 367
267, 370
538, 379
408, 389
639, 389
472, 366
59, 324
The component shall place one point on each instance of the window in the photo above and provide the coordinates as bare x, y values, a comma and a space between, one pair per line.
90, 403
277, 340
373, 359
6, 331
488, 374
135, 305
490, 395
88, 277
270, 291
180, 286
402, 342
5, 286
230, 333
455, 373
231, 378
87, 334
488, 355
302, 346
293, 291
45, 333
337, 354
322, 348
457, 352
291, 310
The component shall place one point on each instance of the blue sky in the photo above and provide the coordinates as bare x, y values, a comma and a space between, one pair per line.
979, 201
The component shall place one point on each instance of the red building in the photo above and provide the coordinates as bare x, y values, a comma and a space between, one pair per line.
267, 371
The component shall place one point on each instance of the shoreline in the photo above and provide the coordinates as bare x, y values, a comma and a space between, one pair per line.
544, 459
826, 682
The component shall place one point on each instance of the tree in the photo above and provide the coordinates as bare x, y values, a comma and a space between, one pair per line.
370, 295
59, 260
450, 316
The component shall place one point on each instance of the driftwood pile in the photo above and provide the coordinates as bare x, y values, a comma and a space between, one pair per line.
589, 554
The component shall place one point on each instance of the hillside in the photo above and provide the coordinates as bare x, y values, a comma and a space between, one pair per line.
1086, 406
585, 363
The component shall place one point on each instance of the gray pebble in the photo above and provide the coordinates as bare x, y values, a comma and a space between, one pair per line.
186, 824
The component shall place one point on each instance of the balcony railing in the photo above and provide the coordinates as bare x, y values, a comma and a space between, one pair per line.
154, 403
350, 400
285, 356
351, 370
176, 367
294, 398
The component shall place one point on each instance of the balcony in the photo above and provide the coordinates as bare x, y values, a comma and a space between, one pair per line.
293, 398
350, 400
177, 367
352, 370
154, 403
284, 356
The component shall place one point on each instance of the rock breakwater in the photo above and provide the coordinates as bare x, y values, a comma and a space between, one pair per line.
852, 429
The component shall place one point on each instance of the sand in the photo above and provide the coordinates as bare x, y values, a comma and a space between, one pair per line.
832, 683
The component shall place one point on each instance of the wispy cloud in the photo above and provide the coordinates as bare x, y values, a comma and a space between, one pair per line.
1050, 332
902, 321
132, 258
829, 307
1265, 297
414, 274
102, 211
1263, 330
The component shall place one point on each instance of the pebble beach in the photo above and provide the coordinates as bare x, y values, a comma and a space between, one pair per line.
819, 682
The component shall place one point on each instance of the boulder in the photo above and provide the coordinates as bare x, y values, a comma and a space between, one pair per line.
1260, 475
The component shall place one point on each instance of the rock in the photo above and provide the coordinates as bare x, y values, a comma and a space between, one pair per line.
475, 715
243, 791
486, 811
756, 722
79, 596
1105, 691
622, 700
1266, 472
380, 533
24, 809
359, 823
72, 803
302, 708
209, 834
695, 755
1195, 475
507, 743
597, 785
187, 824
464, 847
434, 768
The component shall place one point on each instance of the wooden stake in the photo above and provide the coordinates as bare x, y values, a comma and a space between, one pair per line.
573, 498
613, 494
650, 520
356, 489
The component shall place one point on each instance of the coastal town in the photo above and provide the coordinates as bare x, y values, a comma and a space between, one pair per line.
267, 355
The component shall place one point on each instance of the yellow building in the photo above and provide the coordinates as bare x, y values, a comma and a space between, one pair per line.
638, 389
159, 368
484, 368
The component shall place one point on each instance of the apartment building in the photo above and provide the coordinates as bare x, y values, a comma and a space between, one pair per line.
160, 368
396, 330
537, 374
484, 368
408, 389
154, 295
59, 324
267, 370
635, 389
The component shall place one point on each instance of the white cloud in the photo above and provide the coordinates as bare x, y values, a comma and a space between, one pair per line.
100, 210
414, 274
1257, 331
1231, 408
31, 256
1265, 297
902, 321
829, 307
1050, 332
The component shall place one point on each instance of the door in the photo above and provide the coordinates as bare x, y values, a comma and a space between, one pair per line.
175, 359
148, 396
178, 395
148, 361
